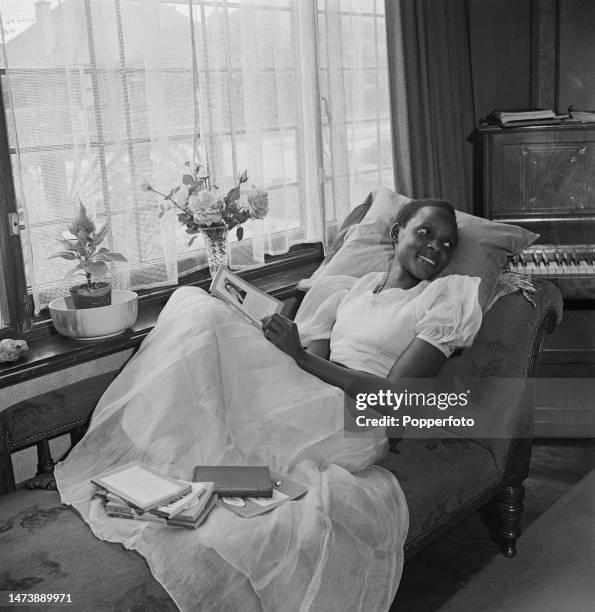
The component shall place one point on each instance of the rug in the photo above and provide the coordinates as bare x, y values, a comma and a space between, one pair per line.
554, 568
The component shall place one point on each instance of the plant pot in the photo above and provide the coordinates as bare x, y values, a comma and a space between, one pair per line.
97, 296
95, 323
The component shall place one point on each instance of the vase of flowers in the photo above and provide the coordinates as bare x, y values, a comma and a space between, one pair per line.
201, 208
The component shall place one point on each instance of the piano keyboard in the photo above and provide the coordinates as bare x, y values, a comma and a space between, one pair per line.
555, 261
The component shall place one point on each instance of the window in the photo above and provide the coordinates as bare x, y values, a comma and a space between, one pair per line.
100, 95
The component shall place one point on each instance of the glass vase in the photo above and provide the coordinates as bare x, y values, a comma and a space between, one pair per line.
257, 233
215, 239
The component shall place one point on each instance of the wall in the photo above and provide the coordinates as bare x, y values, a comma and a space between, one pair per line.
532, 53
49, 382
500, 38
577, 54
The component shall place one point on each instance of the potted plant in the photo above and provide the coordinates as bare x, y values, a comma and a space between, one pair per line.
82, 242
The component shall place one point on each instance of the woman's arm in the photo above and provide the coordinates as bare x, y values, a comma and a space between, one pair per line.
320, 348
420, 360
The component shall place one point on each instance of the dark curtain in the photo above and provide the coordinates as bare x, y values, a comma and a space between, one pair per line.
429, 57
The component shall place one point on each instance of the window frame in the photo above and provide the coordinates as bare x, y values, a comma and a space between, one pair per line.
16, 303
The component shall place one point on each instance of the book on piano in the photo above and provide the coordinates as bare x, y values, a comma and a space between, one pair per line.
582, 116
523, 117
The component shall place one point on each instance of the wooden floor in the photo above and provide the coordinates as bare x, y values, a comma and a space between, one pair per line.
432, 577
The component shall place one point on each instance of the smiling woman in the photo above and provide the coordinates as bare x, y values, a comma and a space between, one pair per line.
405, 325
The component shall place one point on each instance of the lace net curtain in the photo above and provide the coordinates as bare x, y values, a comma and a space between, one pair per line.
102, 95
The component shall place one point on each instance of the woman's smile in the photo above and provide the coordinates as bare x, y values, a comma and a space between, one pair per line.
427, 260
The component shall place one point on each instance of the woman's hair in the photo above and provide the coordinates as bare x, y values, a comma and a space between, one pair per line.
410, 209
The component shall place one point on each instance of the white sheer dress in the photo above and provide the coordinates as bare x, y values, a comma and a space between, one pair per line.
207, 388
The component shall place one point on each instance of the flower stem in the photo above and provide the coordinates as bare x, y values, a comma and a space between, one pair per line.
166, 197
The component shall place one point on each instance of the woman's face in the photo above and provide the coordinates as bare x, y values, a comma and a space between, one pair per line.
424, 246
231, 289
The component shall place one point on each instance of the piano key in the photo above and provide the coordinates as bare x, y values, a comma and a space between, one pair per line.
556, 269
556, 262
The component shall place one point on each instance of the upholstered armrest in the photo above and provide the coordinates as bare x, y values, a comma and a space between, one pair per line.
507, 347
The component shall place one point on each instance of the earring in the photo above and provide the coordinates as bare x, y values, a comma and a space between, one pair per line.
394, 232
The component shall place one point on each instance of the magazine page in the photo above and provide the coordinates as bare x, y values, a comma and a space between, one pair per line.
243, 297
285, 490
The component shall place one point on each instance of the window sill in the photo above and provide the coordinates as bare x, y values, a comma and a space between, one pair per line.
49, 352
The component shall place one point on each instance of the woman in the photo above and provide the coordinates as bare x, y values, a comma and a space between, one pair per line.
425, 235
206, 388
235, 292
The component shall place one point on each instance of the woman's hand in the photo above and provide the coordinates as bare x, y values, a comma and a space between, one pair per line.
284, 334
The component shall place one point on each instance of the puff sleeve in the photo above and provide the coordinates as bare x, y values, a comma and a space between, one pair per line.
318, 312
448, 314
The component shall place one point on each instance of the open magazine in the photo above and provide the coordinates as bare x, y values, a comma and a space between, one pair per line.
244, 298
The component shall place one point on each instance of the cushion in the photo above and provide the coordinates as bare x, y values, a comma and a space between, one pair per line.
433, 494
482, 250
47, 548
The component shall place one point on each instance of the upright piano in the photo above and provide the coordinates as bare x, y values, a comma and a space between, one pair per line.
543, 178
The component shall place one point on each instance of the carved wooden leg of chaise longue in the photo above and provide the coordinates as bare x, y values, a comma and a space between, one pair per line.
44, 479
510, 509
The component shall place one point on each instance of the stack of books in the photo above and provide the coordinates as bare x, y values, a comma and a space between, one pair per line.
523, 117
581, 116
137, 492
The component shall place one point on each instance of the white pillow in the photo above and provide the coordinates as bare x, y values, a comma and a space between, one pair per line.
384, 208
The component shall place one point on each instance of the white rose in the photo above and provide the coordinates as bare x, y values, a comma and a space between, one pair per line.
258, 203
201, 200
207, 209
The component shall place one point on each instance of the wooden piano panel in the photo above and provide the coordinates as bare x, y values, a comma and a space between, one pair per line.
552, 177
543, 178
538, 171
